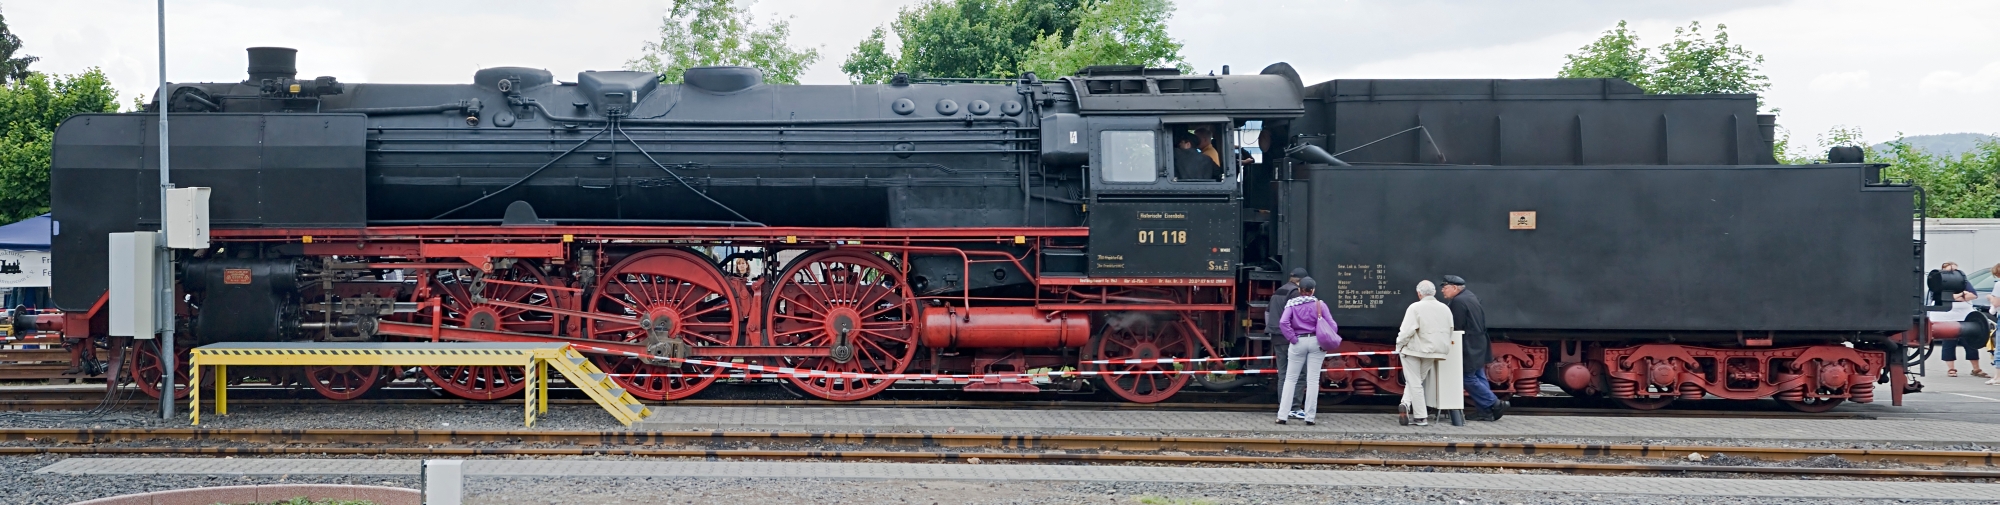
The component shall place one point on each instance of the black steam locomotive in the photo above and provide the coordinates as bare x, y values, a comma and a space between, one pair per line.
1641, 247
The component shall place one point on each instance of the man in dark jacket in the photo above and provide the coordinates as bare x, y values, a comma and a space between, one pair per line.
1468, 316
1274, 312
1191, 164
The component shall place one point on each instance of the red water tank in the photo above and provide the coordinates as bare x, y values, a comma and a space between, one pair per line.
1008, 327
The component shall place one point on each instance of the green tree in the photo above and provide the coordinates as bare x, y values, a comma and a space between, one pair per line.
963, 38
698, 33
1690, 64
30, 110
1967, 185
1116, 32
1616, 54
870, 63
12, 68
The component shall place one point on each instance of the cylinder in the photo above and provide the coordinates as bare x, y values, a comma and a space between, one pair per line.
1007, 327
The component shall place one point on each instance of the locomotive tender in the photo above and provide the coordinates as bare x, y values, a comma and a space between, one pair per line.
1644, 248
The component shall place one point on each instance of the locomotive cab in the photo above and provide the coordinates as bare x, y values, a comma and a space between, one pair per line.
1164, 178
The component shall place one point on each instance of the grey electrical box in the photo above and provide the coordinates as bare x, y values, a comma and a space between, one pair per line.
187, 218
134, 289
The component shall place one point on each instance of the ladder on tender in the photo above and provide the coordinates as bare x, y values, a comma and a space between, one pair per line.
583, 374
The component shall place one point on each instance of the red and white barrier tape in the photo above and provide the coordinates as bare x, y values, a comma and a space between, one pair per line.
949, 377
805, 373
1163, 361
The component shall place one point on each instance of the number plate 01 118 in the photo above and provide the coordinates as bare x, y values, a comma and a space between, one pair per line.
1163, 237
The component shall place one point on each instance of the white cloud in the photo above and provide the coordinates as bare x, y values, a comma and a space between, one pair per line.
1951, 82
1929, 63
1839, 82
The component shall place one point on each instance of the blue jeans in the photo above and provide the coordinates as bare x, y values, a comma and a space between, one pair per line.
1951, 346
1479, 389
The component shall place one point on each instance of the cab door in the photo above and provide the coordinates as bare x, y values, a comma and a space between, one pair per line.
1145, 222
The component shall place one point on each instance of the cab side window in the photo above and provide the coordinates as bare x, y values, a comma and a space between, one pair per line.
1129, 155
1199, 152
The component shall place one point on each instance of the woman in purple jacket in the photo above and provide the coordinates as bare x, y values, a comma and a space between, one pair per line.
1308, 326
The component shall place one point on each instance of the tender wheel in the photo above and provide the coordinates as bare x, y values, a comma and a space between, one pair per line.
670, 300
1812, 405
343, 382
146, 368
856, 306
454, 290
1147, 340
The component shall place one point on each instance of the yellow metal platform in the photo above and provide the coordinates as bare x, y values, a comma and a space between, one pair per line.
535, 358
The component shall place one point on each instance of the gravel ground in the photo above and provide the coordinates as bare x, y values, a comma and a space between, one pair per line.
26, 488
692, 491
507, 415
23, 487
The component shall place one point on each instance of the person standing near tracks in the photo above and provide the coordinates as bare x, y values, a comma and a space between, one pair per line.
1959, 297
1468, 316
1422, 342
1309, 328
1274, 313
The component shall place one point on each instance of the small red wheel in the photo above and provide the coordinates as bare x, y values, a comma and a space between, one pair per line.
1146, 340
675, 288
854, 304
147, 368
454, 291
343, 382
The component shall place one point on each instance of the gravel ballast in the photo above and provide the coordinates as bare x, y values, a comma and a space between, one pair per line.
507, 415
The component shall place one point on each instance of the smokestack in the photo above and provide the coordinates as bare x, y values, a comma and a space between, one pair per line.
273, 63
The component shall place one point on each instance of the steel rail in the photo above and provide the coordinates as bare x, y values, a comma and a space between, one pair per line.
957, 440
1045, 443
60, 400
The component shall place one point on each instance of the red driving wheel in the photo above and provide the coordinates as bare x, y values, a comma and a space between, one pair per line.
672, 293
855, 305
454, 290
146, 367
343, 382
1140, 338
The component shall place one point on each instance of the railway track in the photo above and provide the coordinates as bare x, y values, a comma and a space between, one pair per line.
35, 399
1092, 449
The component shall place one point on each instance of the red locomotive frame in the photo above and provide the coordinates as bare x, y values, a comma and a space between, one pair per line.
844, 305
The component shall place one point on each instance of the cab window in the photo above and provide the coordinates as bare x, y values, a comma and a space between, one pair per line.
1129, 156
1201, 151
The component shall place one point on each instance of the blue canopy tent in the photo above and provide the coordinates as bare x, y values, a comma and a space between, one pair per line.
24, 261
30, 234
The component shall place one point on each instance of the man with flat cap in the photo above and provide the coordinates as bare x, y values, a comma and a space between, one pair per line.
1468, 316
1274, 313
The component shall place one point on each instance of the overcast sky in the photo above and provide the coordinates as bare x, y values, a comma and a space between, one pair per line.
1909, 66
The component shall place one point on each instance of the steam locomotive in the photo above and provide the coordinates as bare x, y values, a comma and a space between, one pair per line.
1643, 248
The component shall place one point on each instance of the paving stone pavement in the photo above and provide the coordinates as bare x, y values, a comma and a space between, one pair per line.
1673, 486
883, 420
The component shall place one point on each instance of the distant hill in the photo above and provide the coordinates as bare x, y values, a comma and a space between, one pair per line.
1947, 144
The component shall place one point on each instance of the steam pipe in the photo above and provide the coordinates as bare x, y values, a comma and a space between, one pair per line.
462, 105
774, 122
